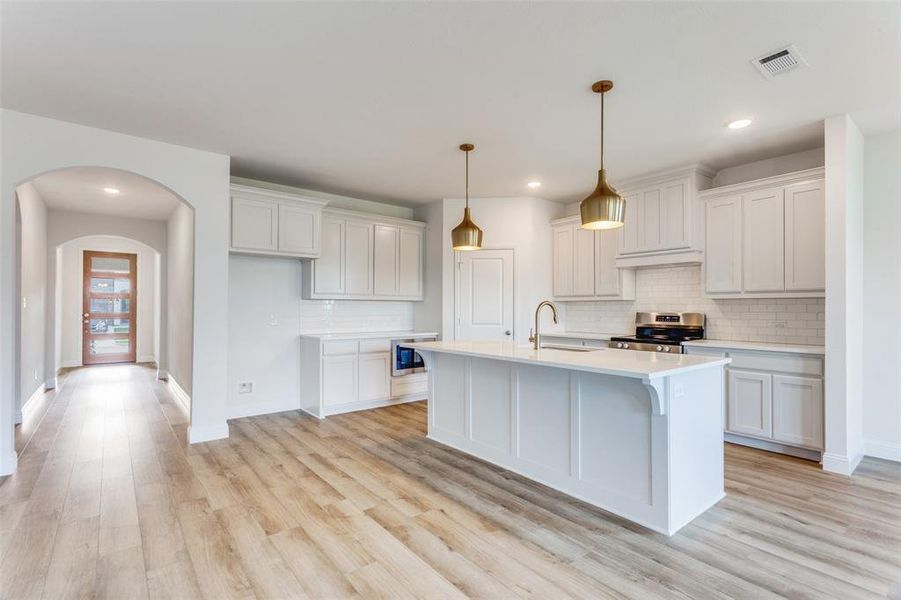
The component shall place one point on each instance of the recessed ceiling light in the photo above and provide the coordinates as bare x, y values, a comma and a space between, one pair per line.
111, 190
534, 184
739, 124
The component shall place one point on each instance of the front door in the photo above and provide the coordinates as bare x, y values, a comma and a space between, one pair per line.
484, 306
108, 315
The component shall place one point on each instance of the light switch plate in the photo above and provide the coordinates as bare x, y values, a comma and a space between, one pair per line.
245, 387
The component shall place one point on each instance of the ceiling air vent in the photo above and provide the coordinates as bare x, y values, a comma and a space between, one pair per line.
779, 61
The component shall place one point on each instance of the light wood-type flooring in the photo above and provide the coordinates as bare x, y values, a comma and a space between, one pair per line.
109, 502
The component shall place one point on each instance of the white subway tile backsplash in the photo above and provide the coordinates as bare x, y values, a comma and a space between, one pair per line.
317, 316
781, 320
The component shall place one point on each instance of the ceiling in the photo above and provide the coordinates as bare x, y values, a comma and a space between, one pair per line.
372, 99
80, 189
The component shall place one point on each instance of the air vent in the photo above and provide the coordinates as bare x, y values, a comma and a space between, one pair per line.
779, 62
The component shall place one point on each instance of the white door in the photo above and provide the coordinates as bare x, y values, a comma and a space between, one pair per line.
764, 235
484, 308
328, 269
339, 379
298, 229
358, 258
563, 260
633, 217
374, 376
385, 268
650, 220
583, 261
750, 403
675, 211
805, 237
410, 263
606, 275
254, 224
722, 259
798, 410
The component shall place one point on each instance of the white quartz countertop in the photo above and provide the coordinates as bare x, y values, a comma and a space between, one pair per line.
370, 335
604, 337
758, 346
608, 361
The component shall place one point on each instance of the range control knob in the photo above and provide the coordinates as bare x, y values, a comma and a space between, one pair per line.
619, 344
667, 349
660, 349
626, 345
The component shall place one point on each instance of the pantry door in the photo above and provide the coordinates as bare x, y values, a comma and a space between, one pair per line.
108, 315
484, 299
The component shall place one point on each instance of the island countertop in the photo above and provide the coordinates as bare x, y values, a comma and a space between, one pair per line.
608, 361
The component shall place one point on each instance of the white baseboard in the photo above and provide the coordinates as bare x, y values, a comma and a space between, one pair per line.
885, 450
842, 465
9, 461
51, 383
29, 405
146, 359
181, 396
265, 408
70, 364
217, 431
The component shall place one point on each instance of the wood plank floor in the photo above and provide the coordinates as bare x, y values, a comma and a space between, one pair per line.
109, 502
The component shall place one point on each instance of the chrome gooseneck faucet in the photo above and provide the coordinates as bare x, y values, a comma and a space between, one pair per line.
534, 336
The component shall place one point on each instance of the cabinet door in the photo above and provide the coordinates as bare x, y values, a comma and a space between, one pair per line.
374, 377
583, 261
563, 260
410, 259
328, 269
339, 379
763, 233
675, 215
650, 220
805, 237
722, 257
750, 403
606, 275
254, 224
357, 258
798, 410
632, 220
385, 260
298, 229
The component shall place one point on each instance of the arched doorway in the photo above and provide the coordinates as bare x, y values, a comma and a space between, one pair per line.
63, 214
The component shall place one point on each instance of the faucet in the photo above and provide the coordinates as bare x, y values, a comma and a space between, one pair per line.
534, 336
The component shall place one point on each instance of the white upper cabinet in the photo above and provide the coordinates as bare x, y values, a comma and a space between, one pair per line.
584, 263
663, 222
366, 257
723, 223
762, 231
274, 223
805, 237
766, 238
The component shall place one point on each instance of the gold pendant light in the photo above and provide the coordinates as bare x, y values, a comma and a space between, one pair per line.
467, 235
603, 208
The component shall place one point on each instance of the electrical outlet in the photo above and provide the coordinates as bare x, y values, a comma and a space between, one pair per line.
779, 324
273, 320
24, 302
35, 374
245, 387
678, 390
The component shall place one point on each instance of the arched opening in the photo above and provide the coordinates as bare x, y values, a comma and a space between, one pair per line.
105, 265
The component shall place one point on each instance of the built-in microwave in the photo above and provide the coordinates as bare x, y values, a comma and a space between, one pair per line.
406, 360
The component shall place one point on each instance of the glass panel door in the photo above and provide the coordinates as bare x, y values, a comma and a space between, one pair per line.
108, 316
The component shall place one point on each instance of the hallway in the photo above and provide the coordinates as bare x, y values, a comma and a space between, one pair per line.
109, 502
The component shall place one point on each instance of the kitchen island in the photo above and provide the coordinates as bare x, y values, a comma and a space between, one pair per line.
638, 434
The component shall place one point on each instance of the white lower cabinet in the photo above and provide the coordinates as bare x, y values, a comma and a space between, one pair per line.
344, 375
750, 403
774, 400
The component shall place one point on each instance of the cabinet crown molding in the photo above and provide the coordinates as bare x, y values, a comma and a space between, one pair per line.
374, 218
795, 177
653, 177
250, 192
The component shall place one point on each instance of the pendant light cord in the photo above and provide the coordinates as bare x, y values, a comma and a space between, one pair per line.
602, 131
467, 179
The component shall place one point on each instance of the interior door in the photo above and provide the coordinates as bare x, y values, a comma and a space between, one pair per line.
109, 312
484, 308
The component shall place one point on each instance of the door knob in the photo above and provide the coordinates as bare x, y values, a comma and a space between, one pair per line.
86, 315
508, 332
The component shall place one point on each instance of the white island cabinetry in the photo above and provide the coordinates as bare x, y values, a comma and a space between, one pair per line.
637, 434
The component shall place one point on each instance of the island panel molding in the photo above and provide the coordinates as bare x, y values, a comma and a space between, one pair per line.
646, 448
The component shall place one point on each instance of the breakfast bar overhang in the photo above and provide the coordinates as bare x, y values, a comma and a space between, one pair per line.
635, 433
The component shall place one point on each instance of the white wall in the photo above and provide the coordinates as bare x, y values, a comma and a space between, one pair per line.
70, 283
33, 307
882, 296
770, 167
32, 145
180, 298
844, 295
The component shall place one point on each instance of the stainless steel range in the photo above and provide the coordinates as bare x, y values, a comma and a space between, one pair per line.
662, 332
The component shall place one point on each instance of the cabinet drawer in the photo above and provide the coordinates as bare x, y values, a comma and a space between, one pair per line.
339, 347
786, 363
705, 351
410, 384
375, 346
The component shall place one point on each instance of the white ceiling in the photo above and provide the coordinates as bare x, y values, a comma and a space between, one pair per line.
80, 189
371, 100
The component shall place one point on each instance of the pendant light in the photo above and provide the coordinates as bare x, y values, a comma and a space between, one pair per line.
603, 208
467, 235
